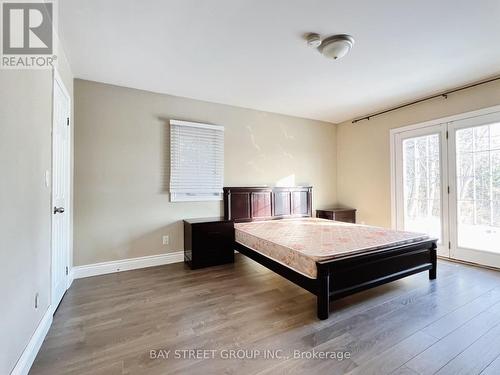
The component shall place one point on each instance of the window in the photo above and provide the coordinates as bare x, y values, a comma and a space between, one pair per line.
196, 161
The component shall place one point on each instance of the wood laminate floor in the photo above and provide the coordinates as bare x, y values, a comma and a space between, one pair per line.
110, 324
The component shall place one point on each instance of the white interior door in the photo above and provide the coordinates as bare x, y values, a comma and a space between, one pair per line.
475, 189
60, 191
421, 183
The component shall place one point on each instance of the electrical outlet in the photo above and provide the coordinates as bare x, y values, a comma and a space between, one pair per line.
165, 240
36, 300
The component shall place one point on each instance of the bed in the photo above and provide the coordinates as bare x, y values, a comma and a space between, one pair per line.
274, 227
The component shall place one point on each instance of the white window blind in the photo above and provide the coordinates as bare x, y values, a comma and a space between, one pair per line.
196, 161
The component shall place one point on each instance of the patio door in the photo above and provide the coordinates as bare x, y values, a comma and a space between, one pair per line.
446, 183
421, 183
474, 166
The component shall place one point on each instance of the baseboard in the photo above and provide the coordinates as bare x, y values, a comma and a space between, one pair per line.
71, 277
26, 360
126, 264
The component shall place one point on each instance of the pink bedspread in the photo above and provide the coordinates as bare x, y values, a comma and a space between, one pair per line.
300, 243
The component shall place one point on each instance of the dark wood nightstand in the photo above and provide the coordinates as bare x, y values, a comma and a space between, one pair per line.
344, 214
208, 242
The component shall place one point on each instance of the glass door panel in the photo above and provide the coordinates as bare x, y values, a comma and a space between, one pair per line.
422, 185
421, 202
478, 187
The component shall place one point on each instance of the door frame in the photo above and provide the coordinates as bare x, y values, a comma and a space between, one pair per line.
393, 137
57, 79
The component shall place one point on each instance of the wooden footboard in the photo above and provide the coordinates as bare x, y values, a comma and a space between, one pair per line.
341, 277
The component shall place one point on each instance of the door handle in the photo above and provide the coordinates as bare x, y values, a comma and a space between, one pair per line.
58, 210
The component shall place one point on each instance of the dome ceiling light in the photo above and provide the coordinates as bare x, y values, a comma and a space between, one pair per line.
332, 47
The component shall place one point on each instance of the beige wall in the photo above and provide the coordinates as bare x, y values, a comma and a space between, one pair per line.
363, 157
122, 206
25, 155
25, 204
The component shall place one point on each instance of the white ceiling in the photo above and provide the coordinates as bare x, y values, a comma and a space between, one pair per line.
250, 53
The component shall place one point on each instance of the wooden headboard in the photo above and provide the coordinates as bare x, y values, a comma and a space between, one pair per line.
267, 203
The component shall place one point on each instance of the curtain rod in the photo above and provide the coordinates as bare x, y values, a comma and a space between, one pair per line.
443, 95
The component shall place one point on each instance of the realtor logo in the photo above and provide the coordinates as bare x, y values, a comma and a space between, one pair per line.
27, 35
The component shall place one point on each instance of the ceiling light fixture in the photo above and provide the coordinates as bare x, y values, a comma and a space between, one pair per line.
333, 47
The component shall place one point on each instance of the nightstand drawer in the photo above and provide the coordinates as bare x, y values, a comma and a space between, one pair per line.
211, 240
345, 216
324, 215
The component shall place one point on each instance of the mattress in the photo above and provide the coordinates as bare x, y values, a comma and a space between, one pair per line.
300, 243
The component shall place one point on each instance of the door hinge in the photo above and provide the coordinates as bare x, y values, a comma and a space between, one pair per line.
67, 121
448, 190
447, 134
449, 244
66, 270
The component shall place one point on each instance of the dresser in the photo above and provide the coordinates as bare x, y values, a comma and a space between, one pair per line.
347, 215
208, 242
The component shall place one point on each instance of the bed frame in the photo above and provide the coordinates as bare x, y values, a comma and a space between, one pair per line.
336, 278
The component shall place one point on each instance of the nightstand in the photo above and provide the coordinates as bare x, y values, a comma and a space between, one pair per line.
344, 214
208, 242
